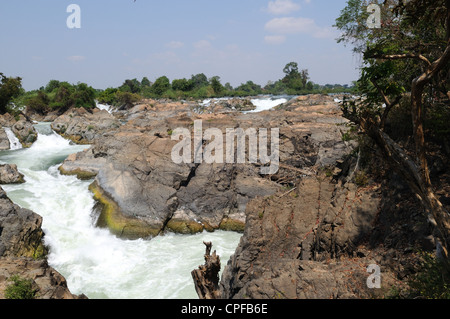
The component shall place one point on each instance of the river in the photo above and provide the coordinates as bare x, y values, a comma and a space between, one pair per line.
93, 261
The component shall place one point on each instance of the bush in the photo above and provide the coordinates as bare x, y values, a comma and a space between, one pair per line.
432, 281
20, 289
126, 99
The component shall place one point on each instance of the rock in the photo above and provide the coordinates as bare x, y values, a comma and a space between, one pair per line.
287, 240
25, 132
4, 140
138, 180
20, 231
83, 127
9, 174
24, 254
47, 283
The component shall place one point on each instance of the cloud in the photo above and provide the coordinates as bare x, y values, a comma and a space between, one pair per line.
175, 44
275, 39
76, 58
291, 25
202, 45
280, 7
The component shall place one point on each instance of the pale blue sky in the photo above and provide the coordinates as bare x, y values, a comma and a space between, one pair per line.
238, 40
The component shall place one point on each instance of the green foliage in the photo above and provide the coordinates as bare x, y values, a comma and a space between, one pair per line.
20, 289
108, 96
9, 88
161, 85
126, 99
39, 103
432, 281
131, 86
145, 82
361, 179
60, 96
182, 85
216, 85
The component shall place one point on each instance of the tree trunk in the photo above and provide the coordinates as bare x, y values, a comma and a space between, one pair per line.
206, 277
414, 176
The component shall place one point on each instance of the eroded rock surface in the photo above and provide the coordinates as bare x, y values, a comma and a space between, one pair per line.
136, 175
23, 253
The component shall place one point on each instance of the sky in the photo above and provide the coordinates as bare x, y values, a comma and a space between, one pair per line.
237, 40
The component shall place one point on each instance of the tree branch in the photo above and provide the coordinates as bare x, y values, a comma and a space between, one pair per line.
400, 56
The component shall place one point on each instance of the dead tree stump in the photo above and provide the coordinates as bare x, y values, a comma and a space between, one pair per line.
206, 277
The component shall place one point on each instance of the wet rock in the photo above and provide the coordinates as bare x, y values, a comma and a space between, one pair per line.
9, 174
23, 253
4, 140
25, 132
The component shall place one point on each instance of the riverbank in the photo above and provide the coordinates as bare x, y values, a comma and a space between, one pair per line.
304, 228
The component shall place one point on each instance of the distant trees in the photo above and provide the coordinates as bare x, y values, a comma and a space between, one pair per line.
294, 79
60, 96
9, 88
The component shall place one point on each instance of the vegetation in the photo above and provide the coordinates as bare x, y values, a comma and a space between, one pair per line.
295, 82
20, 289
58, 96
405, 75
61, 96
432, 281
9, 89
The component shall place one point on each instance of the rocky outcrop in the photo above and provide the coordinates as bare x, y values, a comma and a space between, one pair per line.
318, 242
25, 132
21, 126
23, 253
4, 140
82, 126
9, 174
46, 282
20, 230
137, 182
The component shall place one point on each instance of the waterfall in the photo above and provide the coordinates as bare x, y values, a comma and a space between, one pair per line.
13, 140
93, 261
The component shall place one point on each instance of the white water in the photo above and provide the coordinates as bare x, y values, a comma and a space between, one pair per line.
262, 104
93, 261
13, 140
104, 107
266, 104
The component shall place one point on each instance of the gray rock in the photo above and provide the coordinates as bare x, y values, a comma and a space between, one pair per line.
9, 174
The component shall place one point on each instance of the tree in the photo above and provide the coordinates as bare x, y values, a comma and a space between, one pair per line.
408, 61
39, 103
216, 85
52, 84
145, 82
291, 70
9, 88
199, 80
161, 85
182, 85
131, 86
294, 79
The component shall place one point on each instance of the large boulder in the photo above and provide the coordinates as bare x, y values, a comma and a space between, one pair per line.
82, 126
9, 174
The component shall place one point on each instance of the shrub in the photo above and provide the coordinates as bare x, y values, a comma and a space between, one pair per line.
20, 289
432, 281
